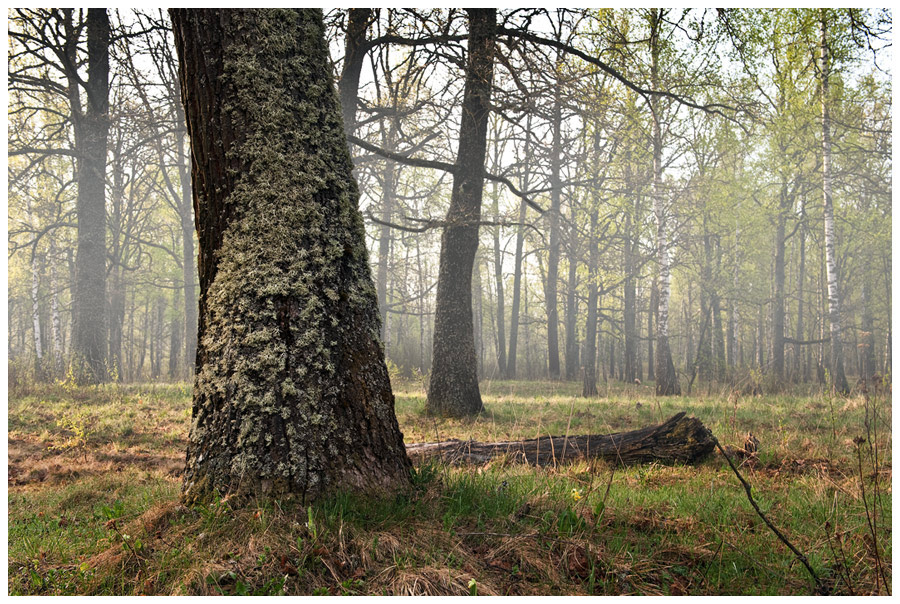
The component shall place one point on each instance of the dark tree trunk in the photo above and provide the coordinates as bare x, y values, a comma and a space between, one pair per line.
354, 53
453, 388
91, 135
291, 395
679, 440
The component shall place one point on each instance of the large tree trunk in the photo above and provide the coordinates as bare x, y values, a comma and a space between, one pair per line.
91, 134
666, 378
291, 395
681, 439
838, 379
453, 388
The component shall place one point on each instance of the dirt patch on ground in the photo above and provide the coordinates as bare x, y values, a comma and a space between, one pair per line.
33, 461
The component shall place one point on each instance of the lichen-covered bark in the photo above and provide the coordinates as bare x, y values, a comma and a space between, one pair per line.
291, 394
453, 386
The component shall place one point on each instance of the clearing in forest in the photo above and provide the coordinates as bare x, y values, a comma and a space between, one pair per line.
94, 477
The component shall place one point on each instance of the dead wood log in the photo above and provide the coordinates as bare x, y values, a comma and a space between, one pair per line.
681, 439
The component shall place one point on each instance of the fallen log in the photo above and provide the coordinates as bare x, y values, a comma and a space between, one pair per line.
681, 439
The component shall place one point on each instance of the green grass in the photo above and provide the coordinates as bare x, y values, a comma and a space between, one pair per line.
101, 516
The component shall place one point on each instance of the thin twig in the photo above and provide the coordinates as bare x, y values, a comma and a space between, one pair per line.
821, 588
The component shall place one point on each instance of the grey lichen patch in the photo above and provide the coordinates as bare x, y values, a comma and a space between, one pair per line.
293, 394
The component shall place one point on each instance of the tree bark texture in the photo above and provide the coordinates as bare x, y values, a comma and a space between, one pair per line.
681, 439
91, 128
838, 379
453, 387
291, 395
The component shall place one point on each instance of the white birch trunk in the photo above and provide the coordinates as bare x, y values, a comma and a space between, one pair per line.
35, 309
55, 323
838, 379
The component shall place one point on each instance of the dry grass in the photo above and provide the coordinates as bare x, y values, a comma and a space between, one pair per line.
102, 517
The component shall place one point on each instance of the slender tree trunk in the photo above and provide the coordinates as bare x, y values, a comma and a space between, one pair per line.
116, 323
420, 278
384, 231
175, 332
354, 53
498, 280
652, 313
801, 373
36, 316
778, 298
760, 338
91, 134
572, 311
838, 379
553, 215
292, 396
868, 333
666, 378
517, 263
589, 360
55, 323
188, 266
453, 388
628, 310
478, 315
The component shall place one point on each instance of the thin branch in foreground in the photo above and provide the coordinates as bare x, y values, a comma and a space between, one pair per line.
821, 588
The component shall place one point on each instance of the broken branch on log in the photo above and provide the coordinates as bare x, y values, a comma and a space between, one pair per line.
681, 439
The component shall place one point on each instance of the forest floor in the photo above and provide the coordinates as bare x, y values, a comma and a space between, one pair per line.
94, 477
